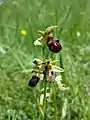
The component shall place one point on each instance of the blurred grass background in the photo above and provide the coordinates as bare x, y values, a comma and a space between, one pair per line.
17, 52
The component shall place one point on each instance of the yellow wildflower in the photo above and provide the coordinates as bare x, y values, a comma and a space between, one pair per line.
23, 32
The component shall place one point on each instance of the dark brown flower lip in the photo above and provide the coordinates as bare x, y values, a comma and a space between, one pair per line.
54, 45
57, 41
34, 81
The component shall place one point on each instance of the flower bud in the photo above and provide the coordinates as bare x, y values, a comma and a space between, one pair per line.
34, 80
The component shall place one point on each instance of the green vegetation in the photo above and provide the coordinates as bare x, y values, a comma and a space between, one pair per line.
17, 100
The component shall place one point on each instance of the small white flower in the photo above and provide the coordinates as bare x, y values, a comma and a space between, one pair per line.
2, 50
78, 34
1, 1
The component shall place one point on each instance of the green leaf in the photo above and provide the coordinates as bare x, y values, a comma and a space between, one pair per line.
64, 109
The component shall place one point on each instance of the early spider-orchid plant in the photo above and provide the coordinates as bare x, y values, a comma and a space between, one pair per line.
46, 70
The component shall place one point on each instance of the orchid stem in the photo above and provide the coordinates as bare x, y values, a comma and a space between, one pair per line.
45, 101
45, 87
55, 103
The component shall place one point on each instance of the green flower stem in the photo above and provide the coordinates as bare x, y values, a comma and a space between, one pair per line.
40, 110
55, 102
45, 88
45, 100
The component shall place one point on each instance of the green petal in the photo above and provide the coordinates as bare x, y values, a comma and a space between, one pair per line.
50, 28
58, 69
37, 43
